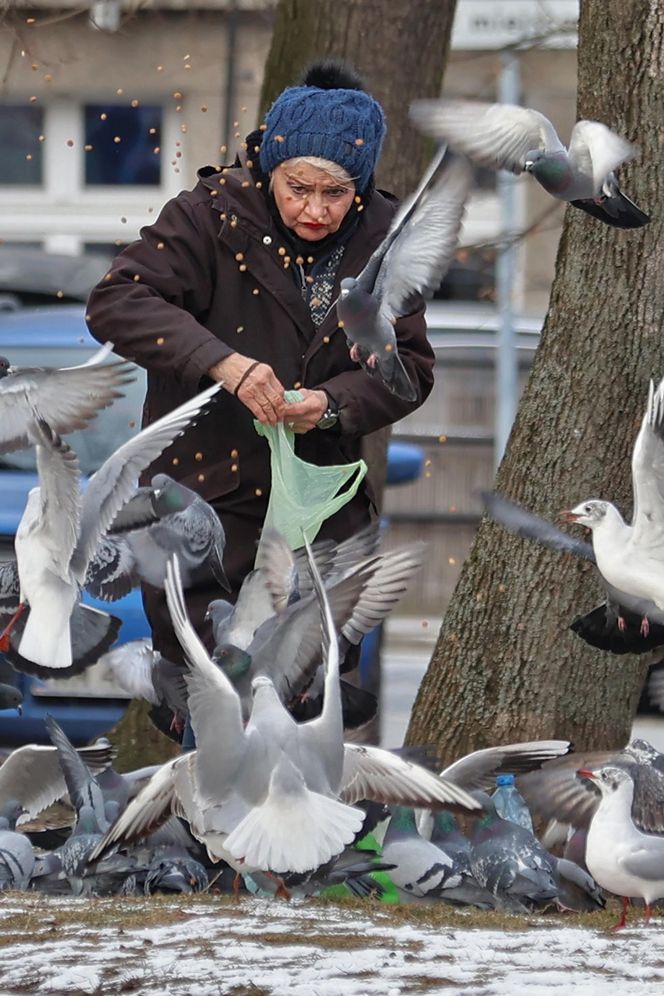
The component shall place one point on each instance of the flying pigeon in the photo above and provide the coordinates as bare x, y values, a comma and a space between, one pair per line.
616, 625
519, 139
60, 529
412, 260
66, 398
167, 518
620, 856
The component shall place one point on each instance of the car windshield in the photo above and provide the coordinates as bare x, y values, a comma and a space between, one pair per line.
111, 427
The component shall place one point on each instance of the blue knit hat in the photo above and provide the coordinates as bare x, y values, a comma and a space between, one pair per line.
344, 125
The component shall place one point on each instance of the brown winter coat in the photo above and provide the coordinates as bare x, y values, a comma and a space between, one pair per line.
177, 302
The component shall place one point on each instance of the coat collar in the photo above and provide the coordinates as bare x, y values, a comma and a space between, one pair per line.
248, 228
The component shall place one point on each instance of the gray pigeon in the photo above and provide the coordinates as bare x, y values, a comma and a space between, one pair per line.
577, 890
425, 871
17, 859
61, 527
518, 139
75, 851
143, 673
410, 262
11, 697
510, 862
82, 786
66, 398
169, 518
174, 870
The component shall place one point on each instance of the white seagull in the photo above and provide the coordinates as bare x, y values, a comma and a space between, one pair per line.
621, 857
630, 558
60, 528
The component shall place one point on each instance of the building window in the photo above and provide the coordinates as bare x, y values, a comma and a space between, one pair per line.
122, 145
21, 160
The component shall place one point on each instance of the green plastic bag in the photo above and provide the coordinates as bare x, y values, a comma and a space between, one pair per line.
303, 495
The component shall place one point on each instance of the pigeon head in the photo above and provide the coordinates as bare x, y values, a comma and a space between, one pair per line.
347, 285
608, 779
218, 610
550, 169
5, 366
233, 662
168, 496
10, 812
11, 698
444, 823
590, 513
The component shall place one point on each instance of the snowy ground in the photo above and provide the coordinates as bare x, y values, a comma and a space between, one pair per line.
200, 947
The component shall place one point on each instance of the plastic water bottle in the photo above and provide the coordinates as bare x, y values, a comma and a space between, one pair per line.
510, 804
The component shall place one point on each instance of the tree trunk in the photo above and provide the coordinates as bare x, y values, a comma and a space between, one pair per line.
400, 49
506, 667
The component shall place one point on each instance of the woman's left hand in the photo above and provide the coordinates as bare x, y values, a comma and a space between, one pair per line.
301, 416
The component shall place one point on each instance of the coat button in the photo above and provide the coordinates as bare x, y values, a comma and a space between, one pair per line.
267, 240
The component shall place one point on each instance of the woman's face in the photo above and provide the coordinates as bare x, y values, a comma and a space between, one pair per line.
310, 201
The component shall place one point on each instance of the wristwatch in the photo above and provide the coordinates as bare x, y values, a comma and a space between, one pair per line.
329, 417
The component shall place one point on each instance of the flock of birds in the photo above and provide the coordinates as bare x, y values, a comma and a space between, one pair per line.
273, 798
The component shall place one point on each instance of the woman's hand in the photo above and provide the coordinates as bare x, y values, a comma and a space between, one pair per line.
301, 416
261, 390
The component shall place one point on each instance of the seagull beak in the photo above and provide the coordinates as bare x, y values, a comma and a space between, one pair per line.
567, 516
586, 773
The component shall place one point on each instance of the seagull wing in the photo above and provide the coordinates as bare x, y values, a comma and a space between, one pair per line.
214, 705
115, 481
60, 497
479, 769
524, 523
372, 773
497, 136
66, 398
648, 475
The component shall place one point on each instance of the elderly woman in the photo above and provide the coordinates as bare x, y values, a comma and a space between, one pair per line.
236, 281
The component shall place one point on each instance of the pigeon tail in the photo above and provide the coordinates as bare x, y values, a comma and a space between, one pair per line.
395, 376
615, 209
294, 829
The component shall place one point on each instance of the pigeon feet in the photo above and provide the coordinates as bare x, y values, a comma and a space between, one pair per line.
4, 636
622, 922
645, 627
355, 353
622, 625
177, 724
648, 914
372, 360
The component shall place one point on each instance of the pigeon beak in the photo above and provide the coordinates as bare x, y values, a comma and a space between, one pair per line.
586, 773
19, 710
528, 165
344, 293
567, 516
157, 492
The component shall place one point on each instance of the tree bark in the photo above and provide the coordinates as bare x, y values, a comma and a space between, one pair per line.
506, 667
400, 49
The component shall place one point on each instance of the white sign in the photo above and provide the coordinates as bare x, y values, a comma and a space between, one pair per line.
492, 24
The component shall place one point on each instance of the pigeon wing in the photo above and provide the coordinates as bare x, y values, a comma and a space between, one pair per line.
66, 398
421, 256
592, 142
479, 769
115, 481
497, 136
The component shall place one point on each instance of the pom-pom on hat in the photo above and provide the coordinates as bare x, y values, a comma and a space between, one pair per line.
329, 116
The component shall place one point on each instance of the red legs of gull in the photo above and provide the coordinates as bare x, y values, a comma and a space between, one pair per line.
177, 723
4, 636
648, 913
281, 891
622, 922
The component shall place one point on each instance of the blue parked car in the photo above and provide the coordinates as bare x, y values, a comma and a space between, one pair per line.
88, 705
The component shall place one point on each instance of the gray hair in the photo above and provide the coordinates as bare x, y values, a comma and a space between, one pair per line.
334, 170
